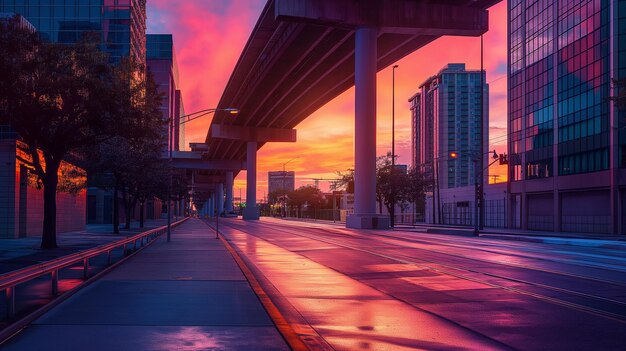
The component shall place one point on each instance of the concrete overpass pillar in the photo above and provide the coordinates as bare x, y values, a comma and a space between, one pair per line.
220, 198
366, 52
250, 213
229, 192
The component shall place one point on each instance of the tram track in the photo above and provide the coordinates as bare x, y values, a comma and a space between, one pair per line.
470, 275
418, 241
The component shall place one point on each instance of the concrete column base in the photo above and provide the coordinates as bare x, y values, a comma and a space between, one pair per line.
367, 221
251, 214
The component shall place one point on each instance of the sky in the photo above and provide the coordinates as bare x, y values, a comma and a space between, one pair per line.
209, 36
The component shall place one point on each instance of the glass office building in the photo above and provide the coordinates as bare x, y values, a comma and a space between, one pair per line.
161, 62
566, 148
121, 24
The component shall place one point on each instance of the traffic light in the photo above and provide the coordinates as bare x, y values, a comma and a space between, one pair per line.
454, 154
504, 160
479, 189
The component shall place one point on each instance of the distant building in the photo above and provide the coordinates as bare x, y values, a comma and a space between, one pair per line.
121, 24
445, 119
567, 141
278, 180
161, 62
446, 116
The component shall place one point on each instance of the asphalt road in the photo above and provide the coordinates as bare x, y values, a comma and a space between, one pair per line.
397, 290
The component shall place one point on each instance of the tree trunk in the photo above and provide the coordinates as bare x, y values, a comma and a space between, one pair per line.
391, 214
392, 211
131, 210
127, 210
116, 209
50, 182
141, 210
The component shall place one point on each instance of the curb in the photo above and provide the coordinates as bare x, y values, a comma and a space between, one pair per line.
593, 243
295, 339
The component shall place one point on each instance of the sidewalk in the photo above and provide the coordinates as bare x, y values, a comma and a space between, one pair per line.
188, 294
603, 241
23, 252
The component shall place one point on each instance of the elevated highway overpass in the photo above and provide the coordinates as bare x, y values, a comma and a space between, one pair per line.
302, 54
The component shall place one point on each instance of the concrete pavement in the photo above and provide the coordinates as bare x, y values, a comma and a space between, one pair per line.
188, 294
389, 290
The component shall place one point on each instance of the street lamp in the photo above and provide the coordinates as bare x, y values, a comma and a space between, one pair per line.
478, 187
393, 141
190, 117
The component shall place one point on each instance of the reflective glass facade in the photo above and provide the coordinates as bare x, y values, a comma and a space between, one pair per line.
559, 84
121, 24
161, 62
567, 161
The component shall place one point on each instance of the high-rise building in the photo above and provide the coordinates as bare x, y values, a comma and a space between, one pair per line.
161, 62
446, 120
120, 24
566, 139
278, 180
121, 28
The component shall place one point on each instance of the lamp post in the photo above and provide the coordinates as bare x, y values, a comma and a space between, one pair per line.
478, 190
393, 143
190, 117
481, 219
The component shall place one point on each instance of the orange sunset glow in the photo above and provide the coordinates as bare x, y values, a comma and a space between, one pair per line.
210, 35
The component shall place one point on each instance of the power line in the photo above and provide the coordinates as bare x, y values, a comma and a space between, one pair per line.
497, 79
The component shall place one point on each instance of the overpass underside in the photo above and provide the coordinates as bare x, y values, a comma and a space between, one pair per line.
304, 53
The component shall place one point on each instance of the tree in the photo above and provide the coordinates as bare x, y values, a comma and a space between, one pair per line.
417, 188
306, 194
620, 99
278, 200
59, 99
276, 196
392, 185
346, 181
133, 156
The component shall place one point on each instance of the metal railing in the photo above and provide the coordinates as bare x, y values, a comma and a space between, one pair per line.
9, 281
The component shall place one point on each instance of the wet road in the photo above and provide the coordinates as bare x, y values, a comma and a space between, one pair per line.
393, 290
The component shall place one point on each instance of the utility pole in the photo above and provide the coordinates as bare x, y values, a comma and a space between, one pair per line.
393, 143
481, 199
